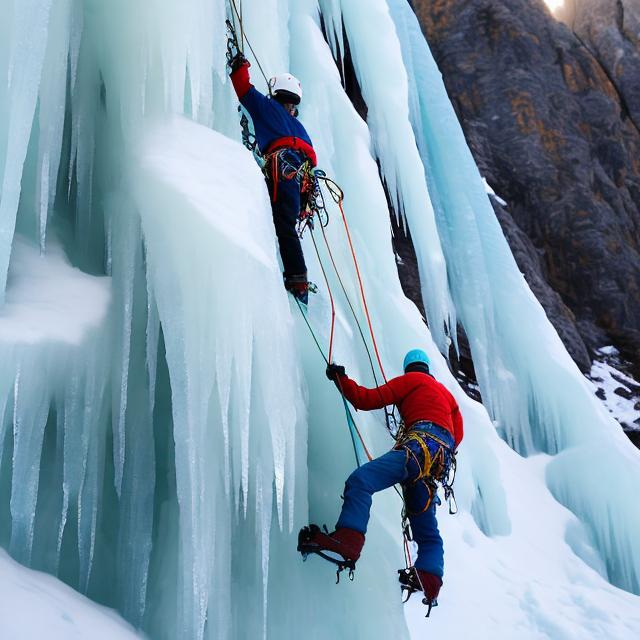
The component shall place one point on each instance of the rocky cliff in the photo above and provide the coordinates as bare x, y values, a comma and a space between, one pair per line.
610, 29
551, 118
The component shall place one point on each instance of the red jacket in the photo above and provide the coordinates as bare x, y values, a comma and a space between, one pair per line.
418, 396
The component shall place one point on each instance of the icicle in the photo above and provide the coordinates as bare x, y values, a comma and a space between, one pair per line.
22, 67
30, 410
51, 113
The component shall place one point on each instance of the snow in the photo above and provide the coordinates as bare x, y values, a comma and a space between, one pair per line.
48, 300
167, 430
36, 605
610, 380
564, 594
619, 392
489, 189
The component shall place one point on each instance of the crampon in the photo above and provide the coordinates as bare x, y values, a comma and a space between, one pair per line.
307, 546
410, 584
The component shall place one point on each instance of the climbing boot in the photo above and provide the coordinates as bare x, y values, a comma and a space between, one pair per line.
298, 287
343, 546
413, 580
430, 584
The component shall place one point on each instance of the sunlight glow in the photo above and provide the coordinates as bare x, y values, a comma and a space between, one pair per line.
554, 4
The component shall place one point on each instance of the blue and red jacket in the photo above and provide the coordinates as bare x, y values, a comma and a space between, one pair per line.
418, 396
275, 127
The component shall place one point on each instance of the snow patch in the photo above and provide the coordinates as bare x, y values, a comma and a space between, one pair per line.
36, 605
489, 189
49, 300
619, 392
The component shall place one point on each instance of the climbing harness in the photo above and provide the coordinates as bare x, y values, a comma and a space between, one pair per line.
433, 459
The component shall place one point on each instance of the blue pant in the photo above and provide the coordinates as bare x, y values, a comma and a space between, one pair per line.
382, 473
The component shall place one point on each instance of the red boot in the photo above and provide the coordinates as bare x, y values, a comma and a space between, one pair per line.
430, 584
341, 545
298, 287
413, 580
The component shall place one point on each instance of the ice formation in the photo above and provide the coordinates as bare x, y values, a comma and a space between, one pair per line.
166, 424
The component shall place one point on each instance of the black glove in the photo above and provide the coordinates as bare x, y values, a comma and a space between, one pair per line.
237, 61
334, 371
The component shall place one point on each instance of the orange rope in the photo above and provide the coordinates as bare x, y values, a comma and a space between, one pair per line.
364, 299
332, 331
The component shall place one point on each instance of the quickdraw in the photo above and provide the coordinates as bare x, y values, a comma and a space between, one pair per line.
249, 139
233, 47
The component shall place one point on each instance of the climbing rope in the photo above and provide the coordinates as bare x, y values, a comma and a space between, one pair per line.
353, 427
333, 306
244, 37
337, 194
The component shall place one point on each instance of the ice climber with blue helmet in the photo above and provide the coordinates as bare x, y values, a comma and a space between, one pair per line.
420, 459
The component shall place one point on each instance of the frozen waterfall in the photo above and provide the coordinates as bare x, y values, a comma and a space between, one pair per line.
166, 425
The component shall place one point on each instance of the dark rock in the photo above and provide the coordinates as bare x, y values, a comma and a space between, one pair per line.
601, 394
553, 136
623, 392
610, 29
633, 387
634, 436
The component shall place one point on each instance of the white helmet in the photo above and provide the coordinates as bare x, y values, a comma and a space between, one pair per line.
286, 87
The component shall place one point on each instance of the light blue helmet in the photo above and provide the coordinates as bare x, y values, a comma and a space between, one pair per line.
415, 355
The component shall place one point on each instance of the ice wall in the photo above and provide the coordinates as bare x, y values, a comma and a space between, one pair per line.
54, 340
167, 430
236, 390
530, 386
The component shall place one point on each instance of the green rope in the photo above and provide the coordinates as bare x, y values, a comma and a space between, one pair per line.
352, 427
350, 421
313, 335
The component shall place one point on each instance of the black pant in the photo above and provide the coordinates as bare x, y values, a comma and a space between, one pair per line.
286, 209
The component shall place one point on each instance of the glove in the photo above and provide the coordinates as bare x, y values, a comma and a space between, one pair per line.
334, 371
237, 61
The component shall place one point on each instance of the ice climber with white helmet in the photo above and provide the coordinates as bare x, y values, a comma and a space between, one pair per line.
286, 146
420, 460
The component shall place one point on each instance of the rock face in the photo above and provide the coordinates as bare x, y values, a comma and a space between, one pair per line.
555, 137
610, 29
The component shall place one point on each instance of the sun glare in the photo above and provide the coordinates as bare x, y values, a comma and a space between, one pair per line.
554, 4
